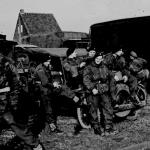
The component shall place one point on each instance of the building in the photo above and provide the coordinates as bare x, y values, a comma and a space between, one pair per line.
77, 39
42, 30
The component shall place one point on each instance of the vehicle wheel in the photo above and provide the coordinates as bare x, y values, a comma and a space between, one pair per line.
83, 117
122, 96
141, 94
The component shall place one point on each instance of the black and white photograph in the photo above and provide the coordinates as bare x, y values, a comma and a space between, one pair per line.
74, 75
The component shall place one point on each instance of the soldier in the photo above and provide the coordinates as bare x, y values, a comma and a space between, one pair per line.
44, 79
111, 60
132, 68
96, 79
88, 58
10, 104
138, 67
70, 65
116, 63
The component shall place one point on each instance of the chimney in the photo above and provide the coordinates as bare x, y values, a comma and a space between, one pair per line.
21, 11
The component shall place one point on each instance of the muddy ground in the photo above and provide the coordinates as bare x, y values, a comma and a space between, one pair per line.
134, 134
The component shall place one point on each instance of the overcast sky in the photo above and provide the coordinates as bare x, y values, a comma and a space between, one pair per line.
72, 15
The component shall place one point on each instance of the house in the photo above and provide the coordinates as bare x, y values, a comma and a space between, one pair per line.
78, 39
42, 30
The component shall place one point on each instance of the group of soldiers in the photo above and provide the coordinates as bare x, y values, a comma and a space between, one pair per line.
95, 74
28, 108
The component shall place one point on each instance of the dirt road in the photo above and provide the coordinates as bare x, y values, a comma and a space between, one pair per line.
133, 135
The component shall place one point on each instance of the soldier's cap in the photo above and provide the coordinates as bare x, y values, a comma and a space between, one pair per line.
98, 54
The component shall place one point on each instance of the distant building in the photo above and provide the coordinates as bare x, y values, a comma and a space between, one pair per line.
42, 30
78, 39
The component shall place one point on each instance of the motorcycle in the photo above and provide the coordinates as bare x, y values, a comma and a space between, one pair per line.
141, 93
121, 102
83, 107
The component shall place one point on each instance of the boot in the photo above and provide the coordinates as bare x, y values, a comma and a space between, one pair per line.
55, 129
77, 129
97, 131
110, 131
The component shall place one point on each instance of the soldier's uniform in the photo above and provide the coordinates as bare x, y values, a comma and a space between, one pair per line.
44, 80
9, 85
97, 76
71, 66
138, 67
110, 61
10, 99
138, 71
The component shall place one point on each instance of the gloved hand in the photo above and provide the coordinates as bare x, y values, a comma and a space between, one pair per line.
56, 84
116, 78
76, 99
8, 117
60, 73
125, 78
82, 64
95, 91
52, 126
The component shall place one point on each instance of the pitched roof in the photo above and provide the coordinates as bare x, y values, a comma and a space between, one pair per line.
37, 23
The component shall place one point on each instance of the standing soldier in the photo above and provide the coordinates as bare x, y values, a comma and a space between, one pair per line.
70, 65
96, 79
10, 104
44, 79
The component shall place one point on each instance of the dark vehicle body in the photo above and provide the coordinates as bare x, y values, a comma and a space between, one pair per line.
129, 34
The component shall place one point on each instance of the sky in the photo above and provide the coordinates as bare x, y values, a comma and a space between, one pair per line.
71, 15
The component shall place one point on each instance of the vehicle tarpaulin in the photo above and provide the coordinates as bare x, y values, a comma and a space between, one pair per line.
58, 52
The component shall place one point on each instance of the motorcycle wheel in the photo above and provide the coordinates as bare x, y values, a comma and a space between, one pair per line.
121, 95
84, 118
141, 94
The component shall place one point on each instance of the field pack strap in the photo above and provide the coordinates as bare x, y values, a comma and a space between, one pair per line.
6, 89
